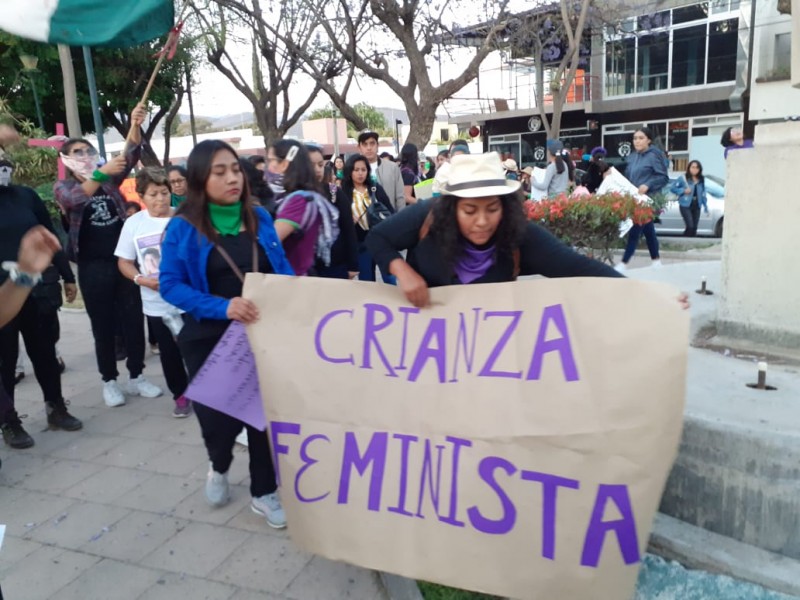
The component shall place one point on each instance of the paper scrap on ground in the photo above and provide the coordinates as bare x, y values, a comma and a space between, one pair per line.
228, 380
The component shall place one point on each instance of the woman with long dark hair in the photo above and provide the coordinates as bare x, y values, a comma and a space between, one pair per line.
217, 236
409, 169
343, 262
559, 172
733, 139
360, 191
476, 232
91, 198
306, 221
647, 170
691, 191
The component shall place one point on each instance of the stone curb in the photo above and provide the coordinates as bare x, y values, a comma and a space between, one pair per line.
697, 548
400, 588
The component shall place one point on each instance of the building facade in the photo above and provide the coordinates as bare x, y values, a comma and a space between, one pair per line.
682, 69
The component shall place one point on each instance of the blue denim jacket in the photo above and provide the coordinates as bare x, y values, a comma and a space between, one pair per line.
685, 200
185, 251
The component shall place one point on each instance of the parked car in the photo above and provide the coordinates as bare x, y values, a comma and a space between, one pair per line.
711, 224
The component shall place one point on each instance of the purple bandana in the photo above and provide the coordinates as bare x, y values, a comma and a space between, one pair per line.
474, 263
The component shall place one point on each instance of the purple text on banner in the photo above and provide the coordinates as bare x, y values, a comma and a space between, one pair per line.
228, 380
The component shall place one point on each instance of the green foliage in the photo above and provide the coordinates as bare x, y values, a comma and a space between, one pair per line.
374, 119
33, 166
431, 591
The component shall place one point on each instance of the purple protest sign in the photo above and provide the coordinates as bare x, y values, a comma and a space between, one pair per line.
228, 380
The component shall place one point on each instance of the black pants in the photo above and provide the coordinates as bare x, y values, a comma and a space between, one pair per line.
111, 298
171, 359
37, 326
220, 430
691, 217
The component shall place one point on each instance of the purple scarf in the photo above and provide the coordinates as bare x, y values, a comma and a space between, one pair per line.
474, 263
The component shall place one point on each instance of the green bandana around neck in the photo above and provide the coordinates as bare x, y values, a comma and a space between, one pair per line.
226, 218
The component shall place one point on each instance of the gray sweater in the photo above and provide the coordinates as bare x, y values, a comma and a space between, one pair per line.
555, 183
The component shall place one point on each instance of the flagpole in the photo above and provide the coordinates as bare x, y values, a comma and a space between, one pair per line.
98, 121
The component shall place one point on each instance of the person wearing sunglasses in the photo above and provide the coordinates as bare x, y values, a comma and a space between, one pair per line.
91, 198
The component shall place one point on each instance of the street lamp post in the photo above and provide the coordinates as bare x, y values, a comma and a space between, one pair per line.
29, 64
397, 123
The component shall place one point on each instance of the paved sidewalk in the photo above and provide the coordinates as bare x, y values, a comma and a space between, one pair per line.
117, 512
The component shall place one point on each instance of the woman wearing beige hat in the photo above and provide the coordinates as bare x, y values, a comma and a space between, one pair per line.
476, 232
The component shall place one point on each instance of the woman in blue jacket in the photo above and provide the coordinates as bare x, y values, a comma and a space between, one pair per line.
691, 191
216, 236
647, 170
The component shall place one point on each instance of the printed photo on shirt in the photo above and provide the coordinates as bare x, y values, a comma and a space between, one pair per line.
148, 250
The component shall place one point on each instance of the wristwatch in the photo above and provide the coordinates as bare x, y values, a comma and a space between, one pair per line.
21, 278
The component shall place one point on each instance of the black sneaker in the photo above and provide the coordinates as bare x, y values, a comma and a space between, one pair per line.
61, 365
19, 376
59, 418
15, 436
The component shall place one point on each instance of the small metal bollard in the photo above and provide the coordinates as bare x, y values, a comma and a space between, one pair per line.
761, 384
704, 291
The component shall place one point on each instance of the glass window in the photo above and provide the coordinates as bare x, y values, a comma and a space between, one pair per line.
687, 14
654, 21
653, 62
723, 44
783, 54
719, 6
678, 138
620, 67
689, 56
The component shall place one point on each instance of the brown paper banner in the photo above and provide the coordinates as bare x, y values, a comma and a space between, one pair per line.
512, 438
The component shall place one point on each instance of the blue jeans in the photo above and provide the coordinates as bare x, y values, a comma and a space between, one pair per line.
649, 231
366, 269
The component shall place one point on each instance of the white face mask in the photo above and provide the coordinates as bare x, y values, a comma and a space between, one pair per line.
5, 175
82, 166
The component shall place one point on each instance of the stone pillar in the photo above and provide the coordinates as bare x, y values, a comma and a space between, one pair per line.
760, 295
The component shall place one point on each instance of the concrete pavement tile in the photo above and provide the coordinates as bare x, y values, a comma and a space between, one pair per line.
110, 580
263, 563
83, 388
18, 465
159, 494
109, 484
73, 528
111, 420
132, 453
250, 595
22, 510
14, 550
48, 443
181, 460
153, 427
57, 477
247, 520
197, 550
44, 572
324, 578
186, 431
196, 508
173, 585
134, 537
88, 446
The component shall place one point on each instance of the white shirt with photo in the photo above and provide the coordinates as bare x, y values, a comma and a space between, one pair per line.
140, 241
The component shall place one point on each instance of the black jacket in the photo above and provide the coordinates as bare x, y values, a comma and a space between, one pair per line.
377, 193
345, 249
541, 253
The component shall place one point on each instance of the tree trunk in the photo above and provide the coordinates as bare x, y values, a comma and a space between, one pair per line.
70, 93
149, 156
422, 118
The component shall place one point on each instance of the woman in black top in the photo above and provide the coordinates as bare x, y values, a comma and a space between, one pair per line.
476, 232
359, 192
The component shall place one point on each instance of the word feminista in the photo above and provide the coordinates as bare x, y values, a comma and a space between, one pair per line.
433, 347
314, 453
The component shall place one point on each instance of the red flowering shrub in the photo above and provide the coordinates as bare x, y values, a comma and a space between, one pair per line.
590, 224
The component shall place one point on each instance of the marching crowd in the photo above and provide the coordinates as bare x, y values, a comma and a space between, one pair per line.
180, 263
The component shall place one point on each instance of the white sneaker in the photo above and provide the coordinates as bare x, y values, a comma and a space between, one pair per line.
112, 394
657, 264
620, 267
218, 491
141, 387
270, 506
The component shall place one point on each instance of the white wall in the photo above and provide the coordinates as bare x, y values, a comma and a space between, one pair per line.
770, 99
760, 270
